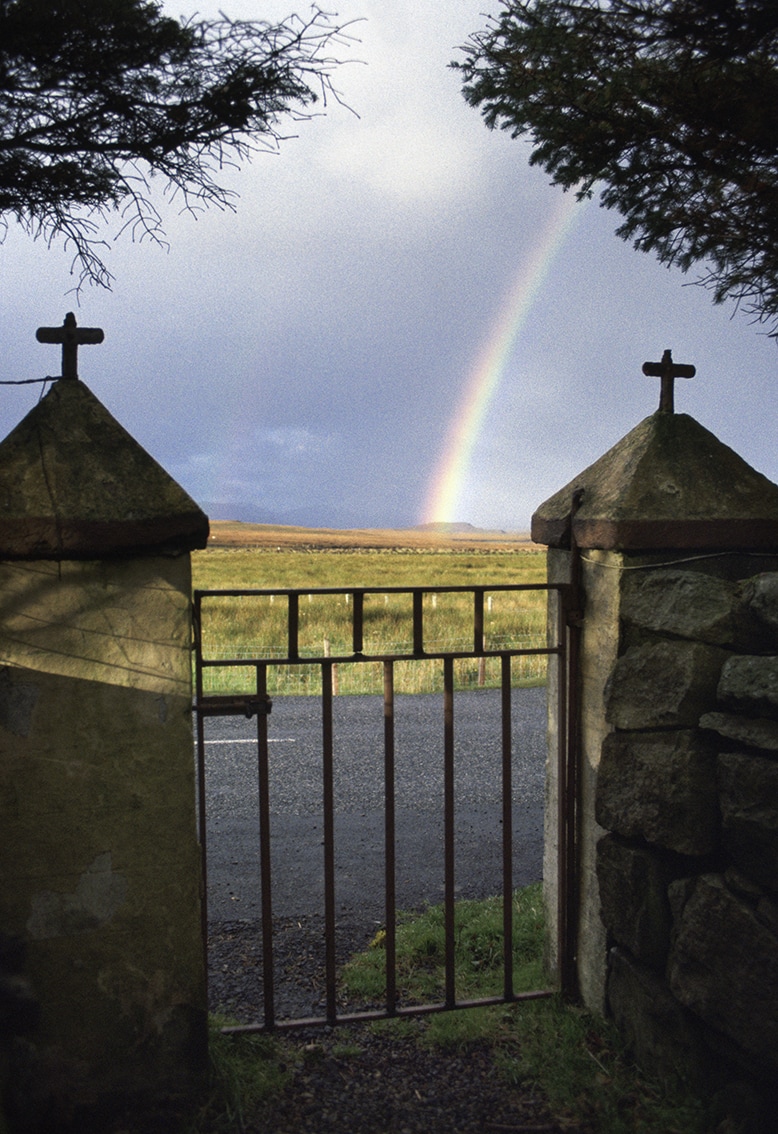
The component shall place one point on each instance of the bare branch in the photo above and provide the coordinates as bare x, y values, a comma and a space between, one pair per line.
97, 100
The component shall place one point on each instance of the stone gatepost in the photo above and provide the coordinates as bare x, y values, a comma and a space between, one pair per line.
677, 932
99, 865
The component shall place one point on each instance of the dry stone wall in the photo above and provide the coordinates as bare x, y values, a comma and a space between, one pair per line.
687, 791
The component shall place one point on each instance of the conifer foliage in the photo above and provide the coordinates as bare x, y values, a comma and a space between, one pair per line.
667, 108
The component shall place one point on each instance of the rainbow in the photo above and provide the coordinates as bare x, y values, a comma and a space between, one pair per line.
451, 471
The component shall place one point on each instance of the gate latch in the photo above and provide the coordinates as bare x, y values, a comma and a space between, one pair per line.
247, 705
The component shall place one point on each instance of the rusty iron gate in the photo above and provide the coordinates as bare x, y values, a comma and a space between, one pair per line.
561, 650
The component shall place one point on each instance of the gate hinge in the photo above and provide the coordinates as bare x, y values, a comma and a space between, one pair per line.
574, 618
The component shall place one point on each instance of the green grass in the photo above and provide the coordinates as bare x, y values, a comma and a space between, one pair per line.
259, 567
579, 1063
256, 626
478, 943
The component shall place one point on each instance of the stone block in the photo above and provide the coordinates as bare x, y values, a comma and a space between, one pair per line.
748, 797
723, 966
689, 604
633, 896
756, 732
659, 787
750, 684
663, 684
760, 594
663, 1037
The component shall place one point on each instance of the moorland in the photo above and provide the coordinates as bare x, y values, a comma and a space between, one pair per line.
269, 558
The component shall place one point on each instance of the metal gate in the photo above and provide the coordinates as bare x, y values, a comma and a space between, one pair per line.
561, 651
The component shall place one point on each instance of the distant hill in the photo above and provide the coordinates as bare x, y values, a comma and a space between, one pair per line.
242, 513
445, 526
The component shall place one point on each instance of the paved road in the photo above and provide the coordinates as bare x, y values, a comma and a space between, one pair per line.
295, 800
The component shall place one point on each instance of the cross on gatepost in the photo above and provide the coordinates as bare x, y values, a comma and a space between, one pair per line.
668, 371
72, 337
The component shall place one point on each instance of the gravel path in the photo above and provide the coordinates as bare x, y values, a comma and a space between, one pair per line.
382, 1086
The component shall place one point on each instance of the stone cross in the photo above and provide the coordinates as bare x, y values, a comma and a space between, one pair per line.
71, 337
668, 371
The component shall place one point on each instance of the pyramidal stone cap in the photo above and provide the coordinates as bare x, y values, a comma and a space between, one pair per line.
74, 485
668, 484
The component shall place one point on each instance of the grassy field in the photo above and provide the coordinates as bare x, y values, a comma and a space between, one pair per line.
241, 556
231, 533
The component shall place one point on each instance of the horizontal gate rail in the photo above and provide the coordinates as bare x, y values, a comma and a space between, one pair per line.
257, 704
293, 655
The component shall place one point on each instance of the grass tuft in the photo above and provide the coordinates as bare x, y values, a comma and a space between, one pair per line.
479, 952
243, 1070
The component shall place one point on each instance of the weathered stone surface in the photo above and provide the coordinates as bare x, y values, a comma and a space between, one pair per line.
750, 684
17, 702
74, 483
660, 787
723, 965
755, 732
767, 912
688, 604
633, 895
663, 684
599, 649
99, 861
84, 619
748, 796
760, 594
668, 484
740, 884
663, 1037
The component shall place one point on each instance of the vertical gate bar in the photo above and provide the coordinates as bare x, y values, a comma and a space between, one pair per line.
263, 770
448, 827
507, 830
478, 622
571, 921
329, 841
201, 823
357, 632
197, 633
293, 629
573, 761
562, 943
418, 622
390, 942
201, 819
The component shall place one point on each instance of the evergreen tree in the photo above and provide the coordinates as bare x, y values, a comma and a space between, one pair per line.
668, 108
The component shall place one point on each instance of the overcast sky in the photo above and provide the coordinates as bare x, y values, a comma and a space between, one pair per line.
310, 358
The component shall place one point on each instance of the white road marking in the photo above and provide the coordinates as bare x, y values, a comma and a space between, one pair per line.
253, 740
